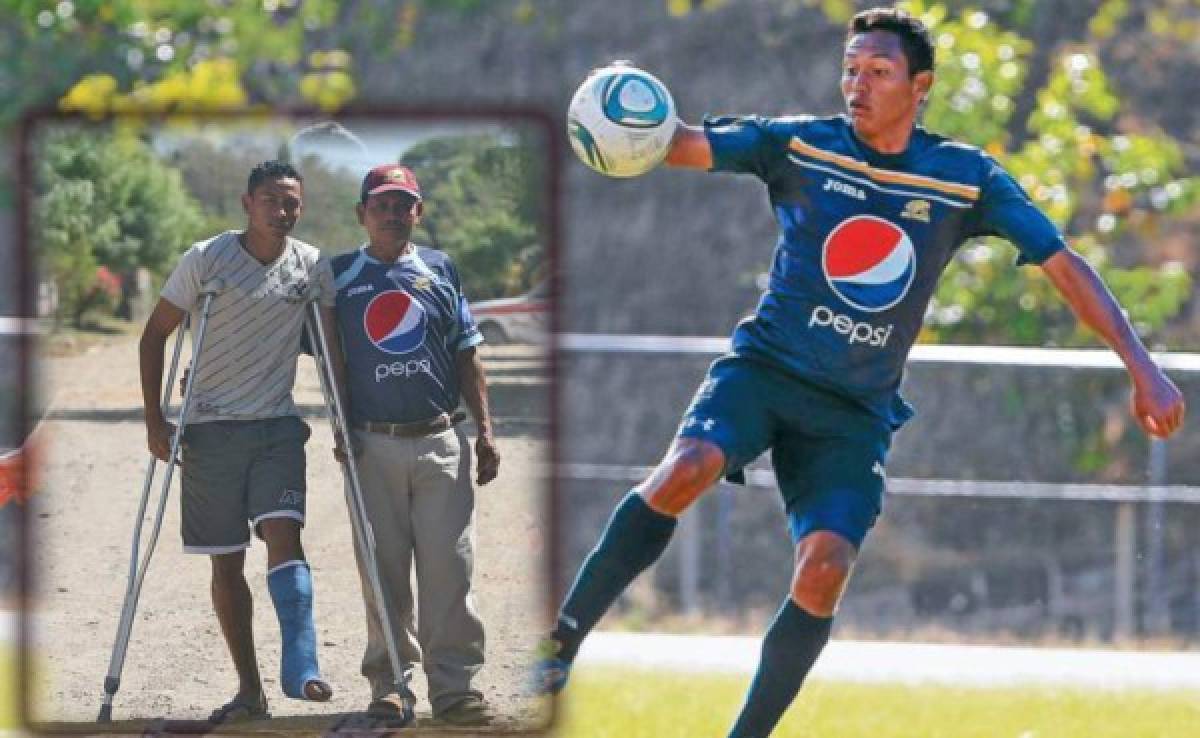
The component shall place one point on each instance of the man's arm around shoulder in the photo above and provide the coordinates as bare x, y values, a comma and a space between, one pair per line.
1156, 403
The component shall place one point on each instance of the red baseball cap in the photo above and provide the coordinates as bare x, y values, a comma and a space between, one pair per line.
388, 178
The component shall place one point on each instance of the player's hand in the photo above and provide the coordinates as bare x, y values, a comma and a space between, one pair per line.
487, 459
1156, 403
158, 438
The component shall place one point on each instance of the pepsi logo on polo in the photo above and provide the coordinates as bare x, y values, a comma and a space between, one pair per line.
395, 322
869, 262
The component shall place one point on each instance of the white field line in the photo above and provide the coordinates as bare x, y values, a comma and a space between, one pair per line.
860, 661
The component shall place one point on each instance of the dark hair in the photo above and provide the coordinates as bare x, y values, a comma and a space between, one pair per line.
268, 170
914, 35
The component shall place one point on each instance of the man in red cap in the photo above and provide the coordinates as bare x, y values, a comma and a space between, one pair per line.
405, 356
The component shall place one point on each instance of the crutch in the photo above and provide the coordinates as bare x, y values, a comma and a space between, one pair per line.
364, 536
112, 682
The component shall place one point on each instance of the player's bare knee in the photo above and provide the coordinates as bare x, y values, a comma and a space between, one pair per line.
823, 565
227, 569
690, 467
282, 536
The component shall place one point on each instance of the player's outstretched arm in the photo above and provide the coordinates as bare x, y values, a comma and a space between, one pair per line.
690, 148
1157, 404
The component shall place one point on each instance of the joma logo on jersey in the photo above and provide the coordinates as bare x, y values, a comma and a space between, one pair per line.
833, 185
916, 210
360, 290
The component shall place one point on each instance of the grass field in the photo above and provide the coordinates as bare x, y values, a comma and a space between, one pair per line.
608, 702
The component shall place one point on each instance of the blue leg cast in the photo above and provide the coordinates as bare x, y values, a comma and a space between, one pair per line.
291, 589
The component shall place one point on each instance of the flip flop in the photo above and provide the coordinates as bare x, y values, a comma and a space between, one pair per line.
317, 690
392, 710
239, 710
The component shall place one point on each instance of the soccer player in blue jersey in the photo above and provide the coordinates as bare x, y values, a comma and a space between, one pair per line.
871, 208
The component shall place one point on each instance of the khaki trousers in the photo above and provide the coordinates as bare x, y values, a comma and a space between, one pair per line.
419, 499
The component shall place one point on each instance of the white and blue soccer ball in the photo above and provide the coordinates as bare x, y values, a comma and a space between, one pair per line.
621, 120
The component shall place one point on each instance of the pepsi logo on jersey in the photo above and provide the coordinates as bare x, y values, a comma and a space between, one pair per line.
395, 322
870, 264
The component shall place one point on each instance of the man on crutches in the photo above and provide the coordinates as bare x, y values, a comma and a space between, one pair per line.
243, 463
403, 351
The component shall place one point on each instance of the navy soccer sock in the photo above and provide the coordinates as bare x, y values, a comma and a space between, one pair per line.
290, 585
789, 649
633, 540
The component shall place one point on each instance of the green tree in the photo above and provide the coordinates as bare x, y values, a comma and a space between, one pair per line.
483, 206
105, 199
69, 233
1103, 186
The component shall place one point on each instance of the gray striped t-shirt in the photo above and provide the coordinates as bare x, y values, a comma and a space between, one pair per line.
248, 362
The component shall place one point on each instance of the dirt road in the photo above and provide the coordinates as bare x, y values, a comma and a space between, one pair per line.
177, 665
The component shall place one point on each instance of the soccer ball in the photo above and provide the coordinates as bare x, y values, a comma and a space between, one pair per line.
621, 121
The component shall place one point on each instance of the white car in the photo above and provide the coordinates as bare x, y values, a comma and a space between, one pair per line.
521, 319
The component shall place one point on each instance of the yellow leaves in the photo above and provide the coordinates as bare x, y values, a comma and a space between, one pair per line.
329, 85
328, 90
90, 95
680, 8
677, 8
524, 12
1107, 20
329, 59
210, 85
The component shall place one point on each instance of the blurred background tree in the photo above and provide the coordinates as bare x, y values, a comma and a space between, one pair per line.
483, 204
104, 206
1050, 114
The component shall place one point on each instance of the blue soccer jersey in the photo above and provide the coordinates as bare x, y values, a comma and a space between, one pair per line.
864, 238
402, 326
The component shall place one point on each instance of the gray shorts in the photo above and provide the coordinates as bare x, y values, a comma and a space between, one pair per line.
239, 471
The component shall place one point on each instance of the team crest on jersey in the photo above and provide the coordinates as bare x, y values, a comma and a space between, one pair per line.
395, 322
869, 262
422, 282
916, 210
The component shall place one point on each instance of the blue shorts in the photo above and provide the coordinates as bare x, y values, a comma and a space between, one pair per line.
828, 452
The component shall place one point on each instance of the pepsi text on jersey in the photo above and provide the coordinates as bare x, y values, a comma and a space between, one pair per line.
855, 332
395, 323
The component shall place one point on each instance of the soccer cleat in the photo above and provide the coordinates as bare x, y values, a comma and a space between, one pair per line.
550, 672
